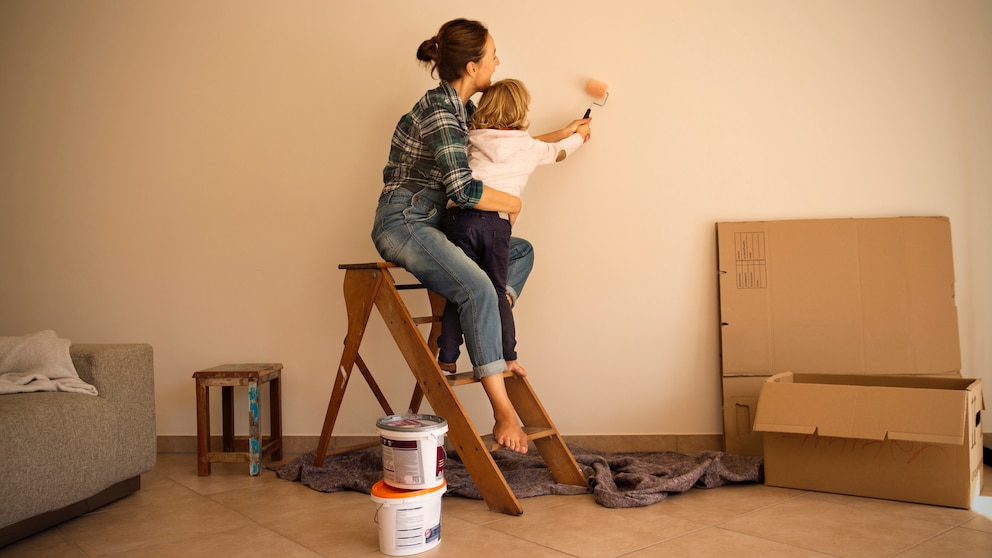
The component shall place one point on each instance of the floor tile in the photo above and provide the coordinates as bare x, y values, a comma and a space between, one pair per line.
112, 530
243, 541
50, 543
230, 513
936, 514
715, 542
223, 476
838, 529
586, 529
956, 543
480, 542
716, 505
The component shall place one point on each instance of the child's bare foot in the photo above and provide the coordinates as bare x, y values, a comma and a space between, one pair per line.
514, 366
509, 435
449, 367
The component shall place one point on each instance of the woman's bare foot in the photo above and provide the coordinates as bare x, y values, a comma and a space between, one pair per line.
509, 435
507, 431
514, 366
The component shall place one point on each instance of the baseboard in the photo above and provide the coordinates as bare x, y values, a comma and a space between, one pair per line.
684, 443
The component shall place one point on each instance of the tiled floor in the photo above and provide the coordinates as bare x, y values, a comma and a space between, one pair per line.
177, 513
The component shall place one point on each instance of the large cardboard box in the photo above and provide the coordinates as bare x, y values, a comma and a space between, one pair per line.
847, 296
909, 438
740, 405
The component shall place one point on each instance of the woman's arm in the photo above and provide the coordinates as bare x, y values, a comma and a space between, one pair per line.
495, 200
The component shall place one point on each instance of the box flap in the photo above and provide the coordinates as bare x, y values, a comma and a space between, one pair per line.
861, 296
861, 407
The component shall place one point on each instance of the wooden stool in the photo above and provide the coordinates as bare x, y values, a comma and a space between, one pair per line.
254, 448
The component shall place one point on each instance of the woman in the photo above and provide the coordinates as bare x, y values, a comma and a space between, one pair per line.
428, 165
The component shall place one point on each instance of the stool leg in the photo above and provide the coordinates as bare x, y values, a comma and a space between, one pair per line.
275, 417
360, 288
227, 408
254, 430
202, 429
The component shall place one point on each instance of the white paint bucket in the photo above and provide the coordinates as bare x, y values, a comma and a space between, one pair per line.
412, 450
409, 520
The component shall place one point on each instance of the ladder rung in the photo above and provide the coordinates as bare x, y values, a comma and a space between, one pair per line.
537, 432
463, 378
408, 286
532, 432
426, 320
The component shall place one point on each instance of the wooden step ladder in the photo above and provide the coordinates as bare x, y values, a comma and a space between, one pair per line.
371, 284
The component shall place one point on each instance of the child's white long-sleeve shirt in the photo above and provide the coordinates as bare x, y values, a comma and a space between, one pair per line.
504, 159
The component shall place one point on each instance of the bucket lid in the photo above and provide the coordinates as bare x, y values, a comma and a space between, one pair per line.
408, 423
383, 490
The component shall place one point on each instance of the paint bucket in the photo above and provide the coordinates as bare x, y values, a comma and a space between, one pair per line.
412, 450
409, 520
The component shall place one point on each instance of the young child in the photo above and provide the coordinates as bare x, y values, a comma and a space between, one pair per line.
502, 154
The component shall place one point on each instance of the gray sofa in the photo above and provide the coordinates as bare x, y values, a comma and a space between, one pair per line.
64, 454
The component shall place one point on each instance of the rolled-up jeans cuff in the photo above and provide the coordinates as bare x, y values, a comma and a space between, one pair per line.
490, 369
513, 295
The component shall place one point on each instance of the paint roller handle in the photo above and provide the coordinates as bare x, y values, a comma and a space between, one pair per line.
597, 90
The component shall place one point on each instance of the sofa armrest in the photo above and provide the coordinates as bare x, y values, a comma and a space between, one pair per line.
124, 375
117, 370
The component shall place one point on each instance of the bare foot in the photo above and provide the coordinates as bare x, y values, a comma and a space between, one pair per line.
514, 366
449, 367
509, 435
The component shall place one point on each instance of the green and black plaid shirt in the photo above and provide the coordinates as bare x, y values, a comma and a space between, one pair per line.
430, 148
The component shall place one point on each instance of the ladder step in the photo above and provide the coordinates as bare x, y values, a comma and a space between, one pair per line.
409, 286
532, 432
427, 320
537, 432
465, 378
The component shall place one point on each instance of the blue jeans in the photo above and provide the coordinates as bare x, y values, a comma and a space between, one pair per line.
407, 231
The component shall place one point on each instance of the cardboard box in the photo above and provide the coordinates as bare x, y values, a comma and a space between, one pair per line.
740, 406
848, 296
852, 296
909, 438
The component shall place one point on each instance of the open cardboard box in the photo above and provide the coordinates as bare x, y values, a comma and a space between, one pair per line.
848, 296
915, 439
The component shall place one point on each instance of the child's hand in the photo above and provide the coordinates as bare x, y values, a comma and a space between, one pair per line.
585, 131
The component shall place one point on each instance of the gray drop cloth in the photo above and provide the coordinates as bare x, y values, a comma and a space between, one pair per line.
618, 480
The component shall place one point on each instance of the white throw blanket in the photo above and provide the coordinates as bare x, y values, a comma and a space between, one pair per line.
38, 362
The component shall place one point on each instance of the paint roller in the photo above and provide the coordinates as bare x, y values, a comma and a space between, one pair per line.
597, 90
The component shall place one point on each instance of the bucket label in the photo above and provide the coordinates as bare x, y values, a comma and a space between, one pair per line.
412, 529
401, 461
433, 534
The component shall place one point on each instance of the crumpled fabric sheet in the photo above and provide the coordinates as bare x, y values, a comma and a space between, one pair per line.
39, 362
617, 480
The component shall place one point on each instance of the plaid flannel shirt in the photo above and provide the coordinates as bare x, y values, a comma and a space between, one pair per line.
430, 148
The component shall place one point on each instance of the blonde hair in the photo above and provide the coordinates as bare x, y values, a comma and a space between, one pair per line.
503, 106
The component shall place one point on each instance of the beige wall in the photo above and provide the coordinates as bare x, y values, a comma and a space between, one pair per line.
191, 173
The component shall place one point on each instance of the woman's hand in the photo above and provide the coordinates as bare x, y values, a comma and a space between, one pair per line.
495, 200
576, 125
